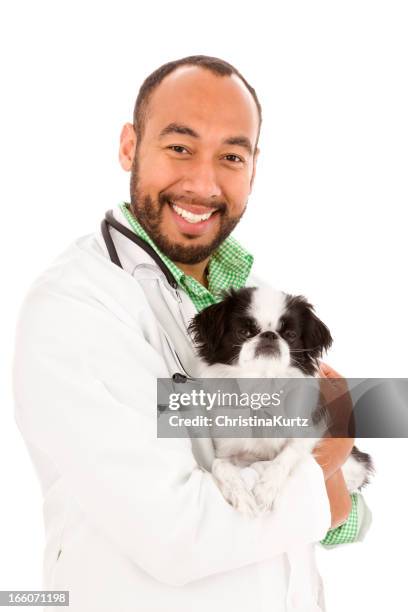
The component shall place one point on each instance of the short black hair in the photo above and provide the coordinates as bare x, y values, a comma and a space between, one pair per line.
213, 64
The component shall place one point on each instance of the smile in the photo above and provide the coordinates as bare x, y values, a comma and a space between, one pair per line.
189, 216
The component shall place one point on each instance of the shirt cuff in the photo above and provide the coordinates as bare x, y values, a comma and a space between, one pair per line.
365, 518
354, 529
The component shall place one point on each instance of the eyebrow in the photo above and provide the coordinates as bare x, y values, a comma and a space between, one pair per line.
180, 128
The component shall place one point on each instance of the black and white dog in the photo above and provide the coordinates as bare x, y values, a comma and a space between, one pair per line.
264, 333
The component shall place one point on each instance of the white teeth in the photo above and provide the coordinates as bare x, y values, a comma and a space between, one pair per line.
189, 216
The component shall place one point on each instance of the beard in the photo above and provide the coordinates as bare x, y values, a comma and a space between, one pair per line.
149, 213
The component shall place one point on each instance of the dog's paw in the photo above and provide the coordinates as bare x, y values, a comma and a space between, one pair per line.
268, 489
266, 494
241, 499
234, 488
245, 502
250, 477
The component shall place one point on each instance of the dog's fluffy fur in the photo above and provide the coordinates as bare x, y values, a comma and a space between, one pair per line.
263, 333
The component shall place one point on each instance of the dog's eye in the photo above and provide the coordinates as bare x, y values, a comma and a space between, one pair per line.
245, 332
290, 335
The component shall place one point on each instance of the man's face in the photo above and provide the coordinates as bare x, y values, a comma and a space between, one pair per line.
196, 157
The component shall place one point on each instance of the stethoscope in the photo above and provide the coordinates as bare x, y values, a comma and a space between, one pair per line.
110, 220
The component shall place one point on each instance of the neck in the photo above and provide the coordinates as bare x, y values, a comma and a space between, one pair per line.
197, 271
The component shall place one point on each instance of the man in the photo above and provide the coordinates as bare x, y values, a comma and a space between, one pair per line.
134, 522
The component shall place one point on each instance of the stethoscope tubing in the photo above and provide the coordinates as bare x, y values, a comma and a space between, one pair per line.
110, 220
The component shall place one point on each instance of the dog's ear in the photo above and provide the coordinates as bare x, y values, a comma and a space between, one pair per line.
207, 328
316, 335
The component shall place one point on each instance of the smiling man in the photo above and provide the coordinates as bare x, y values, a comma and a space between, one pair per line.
193, 158
136, 522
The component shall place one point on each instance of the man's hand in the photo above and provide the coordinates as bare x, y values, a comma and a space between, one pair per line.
331, 453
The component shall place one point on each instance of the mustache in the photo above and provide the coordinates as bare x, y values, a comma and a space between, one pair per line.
164, 197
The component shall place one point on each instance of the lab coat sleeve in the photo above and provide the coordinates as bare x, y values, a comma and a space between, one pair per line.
85, 393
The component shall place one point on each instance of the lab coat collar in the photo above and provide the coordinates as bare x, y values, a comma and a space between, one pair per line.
136, 260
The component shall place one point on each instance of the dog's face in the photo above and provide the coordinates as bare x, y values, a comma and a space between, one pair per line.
260, 324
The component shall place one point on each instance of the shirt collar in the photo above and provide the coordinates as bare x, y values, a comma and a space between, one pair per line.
229, 265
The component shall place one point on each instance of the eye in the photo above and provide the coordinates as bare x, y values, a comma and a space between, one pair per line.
176, 148
237, 158
289, 334
245, 332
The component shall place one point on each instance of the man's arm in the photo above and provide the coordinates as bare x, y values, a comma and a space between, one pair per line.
351, 517
85, 391
331, 453
339, 498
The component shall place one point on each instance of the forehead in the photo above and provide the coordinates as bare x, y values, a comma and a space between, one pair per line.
267, 307
214, 106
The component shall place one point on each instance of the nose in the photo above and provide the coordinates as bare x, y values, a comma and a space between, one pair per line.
201, 181
269, 335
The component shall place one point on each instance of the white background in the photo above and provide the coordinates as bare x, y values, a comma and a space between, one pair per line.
326, 217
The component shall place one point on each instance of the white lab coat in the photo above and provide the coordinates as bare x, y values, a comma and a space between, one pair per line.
135, 523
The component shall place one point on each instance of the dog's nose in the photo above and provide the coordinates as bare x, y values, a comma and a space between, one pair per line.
269, 335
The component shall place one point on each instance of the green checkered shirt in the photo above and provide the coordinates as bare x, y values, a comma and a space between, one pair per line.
348, 531
228, 267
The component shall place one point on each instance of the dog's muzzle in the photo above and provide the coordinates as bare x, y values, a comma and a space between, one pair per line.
268, 344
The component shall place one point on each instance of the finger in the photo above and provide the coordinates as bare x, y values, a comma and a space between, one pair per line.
328, 371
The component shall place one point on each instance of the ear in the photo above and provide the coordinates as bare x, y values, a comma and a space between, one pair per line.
127, 146
208, 327
254, 169
316, 334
